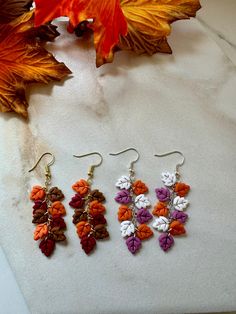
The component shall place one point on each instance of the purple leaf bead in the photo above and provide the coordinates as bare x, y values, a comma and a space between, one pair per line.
123, 197
163, 194
180, 216
133, 244
143, 215
166, 241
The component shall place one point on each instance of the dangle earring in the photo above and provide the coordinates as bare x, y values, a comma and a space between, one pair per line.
88, 210
171, 206
48, 211
133, 213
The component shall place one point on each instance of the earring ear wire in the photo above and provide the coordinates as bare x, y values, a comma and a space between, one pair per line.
178, 165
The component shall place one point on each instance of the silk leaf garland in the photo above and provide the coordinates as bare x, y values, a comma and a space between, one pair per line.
23, 60
149, 23
108, 21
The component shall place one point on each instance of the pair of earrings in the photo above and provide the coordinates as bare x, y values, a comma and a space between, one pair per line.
48, 210
133, 212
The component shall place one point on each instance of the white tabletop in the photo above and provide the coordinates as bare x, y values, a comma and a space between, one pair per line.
183, 101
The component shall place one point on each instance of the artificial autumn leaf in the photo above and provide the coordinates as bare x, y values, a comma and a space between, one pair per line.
23, 61
177, 228
139, 187
144, 232
149, 23
40, 231
79, 215
83, 228
96, 208
57, 208
40, 216
96, 195
100, 232
108, 21
181, 189
88, 244
160, 209
124, 213
98, 219
55, 194
47, 246
38, 192
11, 9
57, 234
81, 187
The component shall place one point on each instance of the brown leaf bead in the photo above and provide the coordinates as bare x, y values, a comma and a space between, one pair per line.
55, 194
100, 232
79, 215
57, 234
40, 216
97, 195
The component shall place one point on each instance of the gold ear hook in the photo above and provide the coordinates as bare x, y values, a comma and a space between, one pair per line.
131, 167
171, 153
91, 169
47, 167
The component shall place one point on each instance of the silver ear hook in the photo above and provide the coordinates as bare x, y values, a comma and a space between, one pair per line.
180, 164
131, 167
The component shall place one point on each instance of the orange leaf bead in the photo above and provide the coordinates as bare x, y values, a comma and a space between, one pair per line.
160, 209
96, 208
139, 187
37, 193
81, 187
177, 228
181, 189
40, 231
124, 213
57, 208
83, 228
144, 232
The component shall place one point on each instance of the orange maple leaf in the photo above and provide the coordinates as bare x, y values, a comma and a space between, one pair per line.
149, 23
108, 24
23, 61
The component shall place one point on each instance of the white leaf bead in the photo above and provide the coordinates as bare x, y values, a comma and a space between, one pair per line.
123, 183
141, 201
127, 228
168, 178
161, 224
180, 203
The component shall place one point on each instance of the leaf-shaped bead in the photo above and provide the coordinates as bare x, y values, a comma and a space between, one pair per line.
123, 183
168, 178
180, 203
133, 244
166, 241
127, 228
141, 201
161, 224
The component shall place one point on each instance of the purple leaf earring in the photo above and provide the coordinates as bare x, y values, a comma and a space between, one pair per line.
171, 205
133, 211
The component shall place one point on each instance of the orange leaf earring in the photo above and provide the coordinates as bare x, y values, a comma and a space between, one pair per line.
88, 210
171, 205
48, 211
133, 212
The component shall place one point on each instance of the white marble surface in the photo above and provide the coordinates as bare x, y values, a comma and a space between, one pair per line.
185, 101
